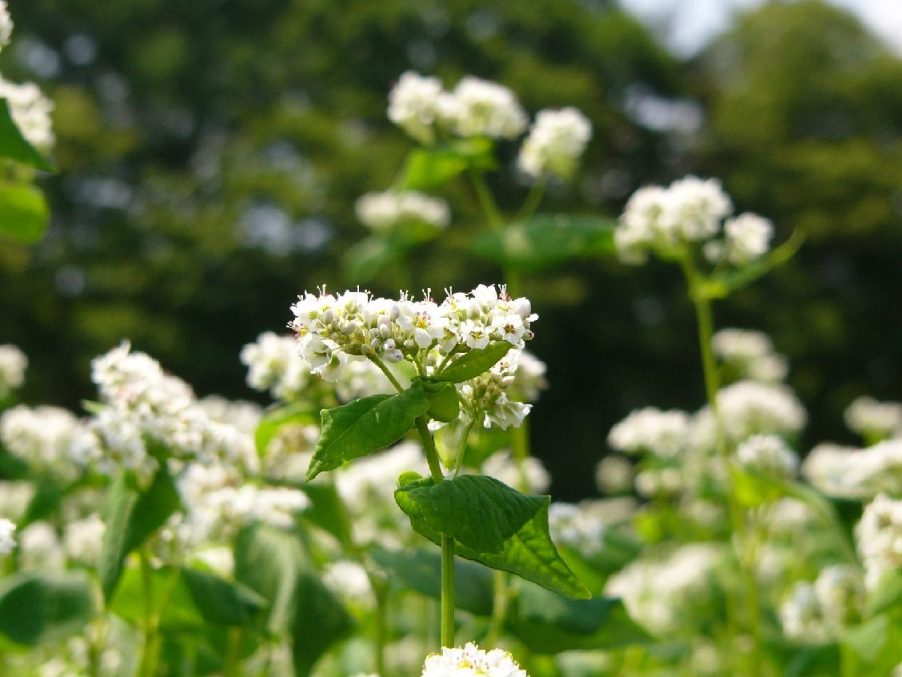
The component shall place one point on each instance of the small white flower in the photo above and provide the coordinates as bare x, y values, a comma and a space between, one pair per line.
879, 538
747, 237
381, 212
30, 111
579, 527
651, 430
874, 420
768, 454
7, 536
471, 661
478, 107
82, 539
555, 143
12, 368
6, 24
413, 105
529, 474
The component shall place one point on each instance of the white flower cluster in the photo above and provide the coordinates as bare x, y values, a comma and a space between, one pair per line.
528, 475
486, 395
144, 405
6, 25
817, 613
577, 526
350, 582
7, 536
82, 539
476, 107
530, 379
381, 212
874, 420
614, 475
846, 472
30, 111
662, 594
555, 143
274, 364
768, 454
879, 538
12, 368
651, 430
335, 329
367, 489
748, 408
47, 438
690, 210
750, 354
40, 548
471, 661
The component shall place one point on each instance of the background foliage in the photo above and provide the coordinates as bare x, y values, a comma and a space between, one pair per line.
210, 154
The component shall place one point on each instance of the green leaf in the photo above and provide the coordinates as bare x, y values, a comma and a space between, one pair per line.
753, 488
364, 426
473, 363
547, 240
170, 599
131, 516
420, 570
370, 256
723, 285
427, 168
38, 608
15, 146
219, 601
327, 511
274, 564
444, 404
492, 524
550, 623
886, 595
24, 215
274, 420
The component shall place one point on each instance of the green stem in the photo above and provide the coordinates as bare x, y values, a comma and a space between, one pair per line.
380, 590
232, 666
385, 370
500, 601
147, 665
705, 321
495, 220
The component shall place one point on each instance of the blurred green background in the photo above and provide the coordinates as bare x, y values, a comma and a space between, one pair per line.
210, 154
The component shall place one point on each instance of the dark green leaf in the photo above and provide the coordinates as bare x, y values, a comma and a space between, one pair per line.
131, 516
550, 623
493, 524
274, 564
219, 601
473, 363
15, 146
547, 240
367, 258
45, 607
24, 215
327, 511
420, 570
170, 599
444, 404
364, 426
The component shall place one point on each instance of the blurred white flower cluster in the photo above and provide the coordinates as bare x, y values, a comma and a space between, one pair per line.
46, 438
666, 221
577, 526
768, 454
7, 536
818, 612
479, 108
422, 108
874, 420
749, 354
555, 143
12, 368
333, 330
471, 661
29, 108
879, 538
381, 212
528, 474
651, 430
665, 594
142, 406
848, 472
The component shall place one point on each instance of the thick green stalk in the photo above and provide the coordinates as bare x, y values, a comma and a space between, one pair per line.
150, 645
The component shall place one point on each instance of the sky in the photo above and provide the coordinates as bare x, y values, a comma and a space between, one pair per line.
692, 23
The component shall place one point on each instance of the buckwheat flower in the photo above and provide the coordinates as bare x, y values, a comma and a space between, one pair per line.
7, 536
43, 437
840, 592
529, 379
695, 207
659, 482
487, 395
40, 548
668, 594
274, 364
748, 408
82, 539
413, 105
747, 238
382, 212
6, 25
856, 473
350, 582
750, 354
360, 378
555, 143
529, 474
826, 468
614, 475
802, 616
577, 526
12, 368
15, 496
471, 661
879, 538
768, 454
242, 415
30, 110
481, 108
874, 420
651, 430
